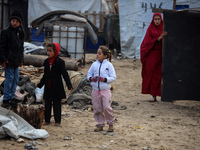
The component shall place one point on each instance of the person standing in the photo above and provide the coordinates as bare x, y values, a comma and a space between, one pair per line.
12, 56
102, 74
151, 58
54, 70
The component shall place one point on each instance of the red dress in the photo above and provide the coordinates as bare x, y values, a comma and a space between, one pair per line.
151, 59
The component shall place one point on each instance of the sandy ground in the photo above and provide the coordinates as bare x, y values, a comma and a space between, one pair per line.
159, 125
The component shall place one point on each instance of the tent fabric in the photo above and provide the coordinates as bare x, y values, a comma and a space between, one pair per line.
135, 16
181, 54
40, 7
14, 126
111, 28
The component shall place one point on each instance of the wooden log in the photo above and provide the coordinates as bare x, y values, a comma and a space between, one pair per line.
33, 114
38, 60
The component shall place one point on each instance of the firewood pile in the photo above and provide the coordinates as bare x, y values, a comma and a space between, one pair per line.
33, 111
28, 109
32, 72
33, 114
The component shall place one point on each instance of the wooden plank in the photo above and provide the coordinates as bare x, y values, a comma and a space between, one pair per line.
94, 18
174, 5
1, 79
101, 20
86, 14
22, 72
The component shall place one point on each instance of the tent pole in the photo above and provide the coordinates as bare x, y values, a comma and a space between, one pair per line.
174, 5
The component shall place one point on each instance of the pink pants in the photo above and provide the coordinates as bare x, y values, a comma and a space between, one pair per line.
101, 101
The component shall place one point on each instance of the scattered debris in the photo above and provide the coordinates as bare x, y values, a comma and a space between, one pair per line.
108, 133
31, 145
20, 140
68, 138
104, 146
111, 141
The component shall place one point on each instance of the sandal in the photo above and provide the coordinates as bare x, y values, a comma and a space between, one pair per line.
98, 129
110, 129
152, 100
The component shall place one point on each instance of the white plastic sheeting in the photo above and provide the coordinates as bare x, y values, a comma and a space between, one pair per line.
14, 126
38, 8
28, 47
135, 17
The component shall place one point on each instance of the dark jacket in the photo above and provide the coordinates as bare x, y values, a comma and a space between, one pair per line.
12, 46
56, 89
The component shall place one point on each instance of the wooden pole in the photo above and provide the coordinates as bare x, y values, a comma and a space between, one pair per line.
94, 18
174, 5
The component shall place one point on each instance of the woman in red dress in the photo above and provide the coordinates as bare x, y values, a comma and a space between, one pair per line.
151, 57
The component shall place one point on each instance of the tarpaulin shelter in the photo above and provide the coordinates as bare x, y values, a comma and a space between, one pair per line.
181, 54
135, 17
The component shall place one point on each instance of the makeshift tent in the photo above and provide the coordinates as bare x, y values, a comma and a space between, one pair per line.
40, 7
135, 17
181, 54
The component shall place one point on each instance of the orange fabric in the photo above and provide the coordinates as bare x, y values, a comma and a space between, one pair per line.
151, 59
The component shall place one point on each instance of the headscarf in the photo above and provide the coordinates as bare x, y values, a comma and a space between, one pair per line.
152, 34
57, 50
51, 60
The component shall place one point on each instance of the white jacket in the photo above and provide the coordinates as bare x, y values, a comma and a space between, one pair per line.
104, 69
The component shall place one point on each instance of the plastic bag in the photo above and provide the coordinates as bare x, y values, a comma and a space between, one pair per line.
39, 94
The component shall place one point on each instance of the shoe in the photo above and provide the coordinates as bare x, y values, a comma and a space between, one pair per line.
16, 100
5, 104
110, 129
98, 129
8, 103
152, 100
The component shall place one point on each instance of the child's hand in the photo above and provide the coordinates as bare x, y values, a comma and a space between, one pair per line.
94, 79
101, 79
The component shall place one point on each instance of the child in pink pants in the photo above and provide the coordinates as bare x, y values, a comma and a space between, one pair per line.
102, 74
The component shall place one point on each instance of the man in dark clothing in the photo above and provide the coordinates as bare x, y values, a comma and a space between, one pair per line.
12, 56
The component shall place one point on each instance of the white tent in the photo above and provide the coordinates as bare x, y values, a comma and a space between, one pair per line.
135, 17
38, 8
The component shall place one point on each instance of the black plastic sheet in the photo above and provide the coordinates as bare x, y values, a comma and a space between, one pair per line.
181, 56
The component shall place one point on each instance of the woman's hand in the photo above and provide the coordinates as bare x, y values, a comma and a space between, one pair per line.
162, 35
